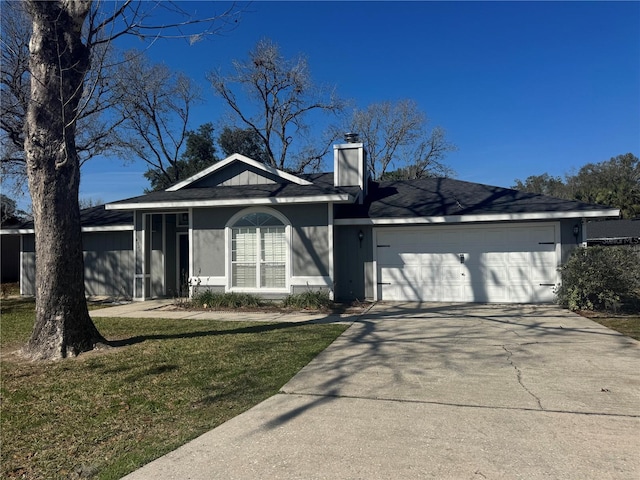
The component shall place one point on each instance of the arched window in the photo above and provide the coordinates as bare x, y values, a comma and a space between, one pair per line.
258, 252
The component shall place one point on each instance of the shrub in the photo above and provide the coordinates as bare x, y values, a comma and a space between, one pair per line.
209, 299
318, 300
599, 278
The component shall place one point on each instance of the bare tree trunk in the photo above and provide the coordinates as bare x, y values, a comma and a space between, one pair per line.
58, 63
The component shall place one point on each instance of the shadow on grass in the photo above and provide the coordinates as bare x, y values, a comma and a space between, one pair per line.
268, 327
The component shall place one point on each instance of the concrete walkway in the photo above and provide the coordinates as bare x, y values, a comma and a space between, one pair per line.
440, 392
165, 308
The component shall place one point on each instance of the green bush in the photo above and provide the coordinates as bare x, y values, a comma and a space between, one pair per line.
599, 278
209, 299
310, 300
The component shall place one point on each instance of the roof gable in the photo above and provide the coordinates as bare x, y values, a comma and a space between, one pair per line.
237, 170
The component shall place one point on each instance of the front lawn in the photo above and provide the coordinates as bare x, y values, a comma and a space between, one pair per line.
104, 414
627, 324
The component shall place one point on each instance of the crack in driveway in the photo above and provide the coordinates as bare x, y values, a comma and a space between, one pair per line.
519, 376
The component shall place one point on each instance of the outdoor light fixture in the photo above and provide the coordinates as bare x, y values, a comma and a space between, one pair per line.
576, 230
360, 236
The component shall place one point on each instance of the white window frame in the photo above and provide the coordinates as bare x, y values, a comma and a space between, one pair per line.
229, 246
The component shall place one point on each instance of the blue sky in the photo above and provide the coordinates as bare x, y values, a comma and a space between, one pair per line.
521, 88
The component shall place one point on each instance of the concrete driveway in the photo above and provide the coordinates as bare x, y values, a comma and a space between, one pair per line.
443, 392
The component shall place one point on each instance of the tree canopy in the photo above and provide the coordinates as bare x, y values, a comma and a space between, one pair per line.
9, 213
199, 153
614, 182
244, 141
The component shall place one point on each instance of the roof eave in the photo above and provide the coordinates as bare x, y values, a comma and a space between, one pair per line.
171, 204
485, 217
89, 229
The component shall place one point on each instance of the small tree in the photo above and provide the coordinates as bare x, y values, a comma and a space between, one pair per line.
544, 184
9, 213
244, 141
200, 153
599, 278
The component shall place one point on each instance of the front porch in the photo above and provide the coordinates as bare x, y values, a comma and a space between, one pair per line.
161, 254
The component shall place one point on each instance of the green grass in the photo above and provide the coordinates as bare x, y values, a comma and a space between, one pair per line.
104, 414
628, 325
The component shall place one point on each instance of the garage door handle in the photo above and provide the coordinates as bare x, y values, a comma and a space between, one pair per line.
381, 246
547, 284
546, 243
384, 283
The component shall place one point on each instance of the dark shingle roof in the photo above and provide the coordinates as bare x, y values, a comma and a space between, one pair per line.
322, 185
435, 197
93, 217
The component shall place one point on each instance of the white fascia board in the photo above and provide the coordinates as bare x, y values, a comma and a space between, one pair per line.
336, 198
240, 158
497, 217
16, 231
114, 228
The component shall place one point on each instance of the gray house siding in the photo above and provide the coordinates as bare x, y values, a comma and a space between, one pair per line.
569, 240
208, 240
310, 246
28, 265
108, 264
310, 239
236, 174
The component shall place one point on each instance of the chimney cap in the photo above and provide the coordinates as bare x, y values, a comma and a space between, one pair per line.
351, 137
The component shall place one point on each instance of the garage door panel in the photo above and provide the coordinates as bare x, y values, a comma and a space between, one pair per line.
519, 274
400, 275
492, 258
501, 264
496, 275
450, 275
450, 293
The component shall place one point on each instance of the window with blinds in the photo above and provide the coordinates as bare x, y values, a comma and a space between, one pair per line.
258, 252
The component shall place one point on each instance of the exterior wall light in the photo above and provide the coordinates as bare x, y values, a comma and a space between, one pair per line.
360, 236
576, 230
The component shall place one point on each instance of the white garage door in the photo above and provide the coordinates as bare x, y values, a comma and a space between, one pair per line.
507, 264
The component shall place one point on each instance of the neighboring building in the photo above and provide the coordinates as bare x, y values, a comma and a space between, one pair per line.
614, 232
9, 258
10, 251
242, 226
108, 252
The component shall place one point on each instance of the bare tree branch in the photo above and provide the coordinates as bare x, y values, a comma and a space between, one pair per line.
283, 97
396, 136
155, 110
